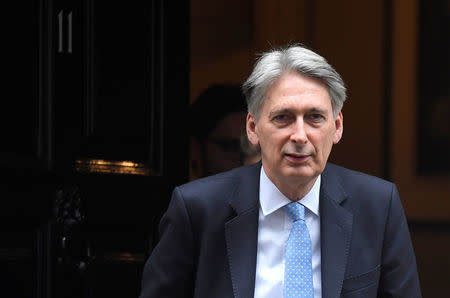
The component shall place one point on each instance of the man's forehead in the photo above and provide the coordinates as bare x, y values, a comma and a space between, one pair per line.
293, 84
295, 104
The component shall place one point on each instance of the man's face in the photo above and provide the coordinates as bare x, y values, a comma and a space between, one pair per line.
296, 130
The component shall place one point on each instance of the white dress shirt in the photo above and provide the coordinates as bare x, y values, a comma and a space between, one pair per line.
273, 232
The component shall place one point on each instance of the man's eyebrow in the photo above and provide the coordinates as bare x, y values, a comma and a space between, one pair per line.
317, 110
279, 111
289, 110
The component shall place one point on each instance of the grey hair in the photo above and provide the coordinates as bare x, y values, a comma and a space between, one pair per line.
273, 64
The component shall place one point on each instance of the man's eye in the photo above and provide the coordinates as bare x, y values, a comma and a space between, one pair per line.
316, 117
280, 117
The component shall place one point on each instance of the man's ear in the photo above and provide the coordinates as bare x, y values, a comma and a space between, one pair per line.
339, 124
251, 130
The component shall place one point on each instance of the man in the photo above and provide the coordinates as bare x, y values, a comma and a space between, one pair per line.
236, 235
217, 119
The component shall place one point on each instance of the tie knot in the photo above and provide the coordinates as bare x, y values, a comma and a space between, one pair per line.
295, 210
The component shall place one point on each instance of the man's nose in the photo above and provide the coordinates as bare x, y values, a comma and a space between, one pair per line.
298, 134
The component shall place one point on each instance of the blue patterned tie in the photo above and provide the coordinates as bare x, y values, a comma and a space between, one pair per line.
298, 281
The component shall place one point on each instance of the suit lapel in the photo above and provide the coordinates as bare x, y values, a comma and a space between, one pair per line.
336, 231
241, 233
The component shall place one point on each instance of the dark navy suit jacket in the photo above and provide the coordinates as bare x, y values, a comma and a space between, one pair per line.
209, 238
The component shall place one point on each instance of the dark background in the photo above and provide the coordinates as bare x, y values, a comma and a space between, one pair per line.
93, 121
92, 141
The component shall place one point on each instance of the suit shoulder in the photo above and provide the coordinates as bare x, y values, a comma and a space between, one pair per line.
369, 197
346, 173
359, 181
219, 185
211, 181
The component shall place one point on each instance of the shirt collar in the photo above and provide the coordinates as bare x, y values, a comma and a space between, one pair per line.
271, 198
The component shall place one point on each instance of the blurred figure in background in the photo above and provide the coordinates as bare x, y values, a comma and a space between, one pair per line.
217, 119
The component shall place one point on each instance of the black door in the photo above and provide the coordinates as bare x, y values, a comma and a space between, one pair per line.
93, 141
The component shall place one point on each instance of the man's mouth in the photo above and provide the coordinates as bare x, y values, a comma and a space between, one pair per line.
297, 157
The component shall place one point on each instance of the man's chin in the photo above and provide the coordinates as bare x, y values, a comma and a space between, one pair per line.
300, 172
